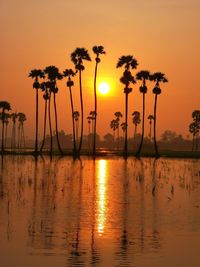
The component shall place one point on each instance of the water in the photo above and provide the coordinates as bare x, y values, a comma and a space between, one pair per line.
110, 212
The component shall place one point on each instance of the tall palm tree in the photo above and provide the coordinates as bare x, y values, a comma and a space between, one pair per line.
114, 125
150, 118
129, 62
77, 57
53, 76
118, 115
98, 50
4, 105
70, 73
157, 77
136, 120
143, 75
45, 89
36, 74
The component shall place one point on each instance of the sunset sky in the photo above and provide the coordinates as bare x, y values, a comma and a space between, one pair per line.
162, 35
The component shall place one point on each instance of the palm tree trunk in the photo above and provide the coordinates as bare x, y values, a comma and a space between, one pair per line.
150, 130
56, 122
50, 127
19, 135
155, 141
82, 114
95, 110
126, 121
6, 135
2, 136
142, 137
118, 138
36, 126
193, 140
45, 120
73, 124
89, 137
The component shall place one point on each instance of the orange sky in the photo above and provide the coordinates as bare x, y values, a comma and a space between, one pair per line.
162, 35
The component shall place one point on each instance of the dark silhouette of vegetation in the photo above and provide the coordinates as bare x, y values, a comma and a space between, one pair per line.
4, 106
114, 125
129, 62
77, 57
194, 129
98, 50
36, 74
136, 121
118, 115
157, 77
143, 75
21, 136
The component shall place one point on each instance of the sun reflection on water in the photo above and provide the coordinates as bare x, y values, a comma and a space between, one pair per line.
101, 185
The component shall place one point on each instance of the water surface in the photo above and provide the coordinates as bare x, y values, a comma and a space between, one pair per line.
108, 212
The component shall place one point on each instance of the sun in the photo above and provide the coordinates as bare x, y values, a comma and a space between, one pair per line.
103, 88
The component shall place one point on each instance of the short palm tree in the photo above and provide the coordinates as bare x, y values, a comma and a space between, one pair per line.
36, 74
77, 57
129, 62
114, 125
4, 105
69, 73
98, 50
150, 118
194, 128
136, 120
118, 115
21, 136
157, 77
53, 76
143, 76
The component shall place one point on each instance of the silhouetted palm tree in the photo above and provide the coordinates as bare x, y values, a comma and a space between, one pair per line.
70, 73
4, 105
98, 50
114, 125
194, 129
157, 77
143, 75
21, 136
150, 118
136, 120
53, 75
45, 89
13, 137
118, 115
129, 62
36, 74
77, 57
89, 119
7, 117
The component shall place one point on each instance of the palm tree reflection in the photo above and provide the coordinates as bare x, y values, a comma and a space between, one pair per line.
101, 198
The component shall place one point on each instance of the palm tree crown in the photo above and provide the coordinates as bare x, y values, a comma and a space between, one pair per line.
78, 56
158, 77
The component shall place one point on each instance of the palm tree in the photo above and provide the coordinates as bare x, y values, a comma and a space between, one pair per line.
45, 89
77, 57
76, 116
150, 118
7, 117
196, 120
98, 50
129, 62
4, 105
13, 137
89, 119
53, 76
194, 130
114, 125
21, 137
143, 75
118, 115
157, 77
36, 74
136, 120
70, 73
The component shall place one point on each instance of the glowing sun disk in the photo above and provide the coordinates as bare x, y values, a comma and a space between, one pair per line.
103, 88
